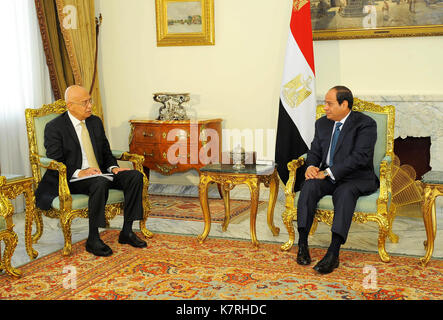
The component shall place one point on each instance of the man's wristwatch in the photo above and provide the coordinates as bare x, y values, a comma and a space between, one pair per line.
325, 173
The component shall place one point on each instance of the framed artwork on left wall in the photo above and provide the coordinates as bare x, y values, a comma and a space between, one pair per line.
185, 22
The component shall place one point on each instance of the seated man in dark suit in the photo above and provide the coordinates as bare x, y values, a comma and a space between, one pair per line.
339, 163
77, 139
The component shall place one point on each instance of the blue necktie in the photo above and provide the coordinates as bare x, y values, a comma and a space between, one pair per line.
334, 142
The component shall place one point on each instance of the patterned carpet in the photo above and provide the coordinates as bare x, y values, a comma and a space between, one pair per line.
178, 267
188, 208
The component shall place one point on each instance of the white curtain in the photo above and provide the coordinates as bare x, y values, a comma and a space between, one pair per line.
24, 83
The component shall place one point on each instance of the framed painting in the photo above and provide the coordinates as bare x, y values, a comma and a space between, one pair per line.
353, 19
185, 22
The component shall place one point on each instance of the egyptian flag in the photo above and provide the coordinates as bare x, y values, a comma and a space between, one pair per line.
296, 115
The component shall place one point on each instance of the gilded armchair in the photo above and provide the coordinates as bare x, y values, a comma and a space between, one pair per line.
7, 234
376, 207
68, 206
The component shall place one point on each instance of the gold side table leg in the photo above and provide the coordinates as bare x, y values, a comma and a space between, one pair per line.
273, 192
226, 200
254, 187
434, 221
203, 195
220, 192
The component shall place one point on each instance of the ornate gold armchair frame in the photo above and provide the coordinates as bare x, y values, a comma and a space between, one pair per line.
7, 233
385, 210
66, 213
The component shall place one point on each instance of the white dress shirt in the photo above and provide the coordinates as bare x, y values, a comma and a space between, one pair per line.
78, 130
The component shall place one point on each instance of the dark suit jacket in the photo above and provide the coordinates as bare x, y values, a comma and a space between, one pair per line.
62, 144
354, 152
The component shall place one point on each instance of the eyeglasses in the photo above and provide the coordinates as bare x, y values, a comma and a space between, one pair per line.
85, 103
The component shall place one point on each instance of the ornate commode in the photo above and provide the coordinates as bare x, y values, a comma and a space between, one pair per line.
176, 146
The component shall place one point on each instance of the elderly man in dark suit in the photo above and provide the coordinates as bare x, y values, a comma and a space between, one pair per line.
339, 163
77, 139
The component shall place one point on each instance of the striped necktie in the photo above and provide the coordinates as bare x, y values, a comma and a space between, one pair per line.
87, 147
334, 142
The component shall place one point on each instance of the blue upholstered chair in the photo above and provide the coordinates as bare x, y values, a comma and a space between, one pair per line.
376, 207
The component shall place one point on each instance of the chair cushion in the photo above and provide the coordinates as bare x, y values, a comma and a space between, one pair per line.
364, 203
2, 223
80, 201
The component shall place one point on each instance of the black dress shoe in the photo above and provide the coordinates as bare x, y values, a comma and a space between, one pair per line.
98, 248
327, 264
131, 239
303, 257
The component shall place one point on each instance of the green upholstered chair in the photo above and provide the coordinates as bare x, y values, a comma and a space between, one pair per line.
68, 206
376, 207
7, 234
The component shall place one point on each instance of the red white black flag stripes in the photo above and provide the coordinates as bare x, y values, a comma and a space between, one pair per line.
296, 117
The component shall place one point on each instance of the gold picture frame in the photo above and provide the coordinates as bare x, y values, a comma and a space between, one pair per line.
185, 22
358, 19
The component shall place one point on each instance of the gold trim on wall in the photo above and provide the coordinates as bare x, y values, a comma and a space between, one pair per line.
205, 37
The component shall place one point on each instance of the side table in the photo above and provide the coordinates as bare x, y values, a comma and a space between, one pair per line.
433, 187
16, 185
227, 178
7, 233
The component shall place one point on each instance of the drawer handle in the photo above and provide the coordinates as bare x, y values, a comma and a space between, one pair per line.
148, 154
150, 134
166, 169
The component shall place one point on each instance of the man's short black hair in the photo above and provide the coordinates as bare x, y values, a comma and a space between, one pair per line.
343, 93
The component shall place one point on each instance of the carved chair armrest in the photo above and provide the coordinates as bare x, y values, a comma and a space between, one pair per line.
136, 159
63, 189
385, 178
289, 188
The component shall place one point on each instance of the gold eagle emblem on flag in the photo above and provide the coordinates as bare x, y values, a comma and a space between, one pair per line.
297, 90
298, 4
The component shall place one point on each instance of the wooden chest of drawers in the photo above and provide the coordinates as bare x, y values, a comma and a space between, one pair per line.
176, 146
